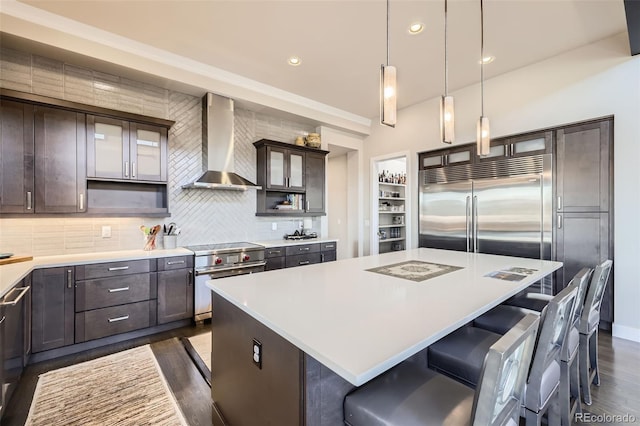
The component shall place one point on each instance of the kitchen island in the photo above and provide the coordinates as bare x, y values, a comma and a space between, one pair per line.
287, 345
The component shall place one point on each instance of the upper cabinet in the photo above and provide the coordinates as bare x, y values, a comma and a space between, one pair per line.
16, 157
119, 149
583, 164
456, 155
62, 157
292, 179
285, 168
520, 146
60, 161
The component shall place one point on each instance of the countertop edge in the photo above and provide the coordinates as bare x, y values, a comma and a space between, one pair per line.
285, 243
11, 274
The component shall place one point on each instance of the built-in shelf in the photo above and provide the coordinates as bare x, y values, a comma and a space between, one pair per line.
390, 212
391, 226
391, 198
390, 240
392, 184
391, 234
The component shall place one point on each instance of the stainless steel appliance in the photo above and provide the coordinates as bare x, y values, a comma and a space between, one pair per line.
496, 207
219, 261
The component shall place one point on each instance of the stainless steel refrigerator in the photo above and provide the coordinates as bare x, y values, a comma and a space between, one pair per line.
497, 207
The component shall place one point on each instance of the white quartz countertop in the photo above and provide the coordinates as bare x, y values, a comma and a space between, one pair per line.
284, 243
12, 273
360, 323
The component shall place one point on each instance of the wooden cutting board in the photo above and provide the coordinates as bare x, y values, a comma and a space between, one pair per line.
15, 259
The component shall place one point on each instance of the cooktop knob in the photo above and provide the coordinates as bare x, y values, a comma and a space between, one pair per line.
246, 257
218, 260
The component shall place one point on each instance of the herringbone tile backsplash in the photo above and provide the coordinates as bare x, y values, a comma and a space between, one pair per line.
204, 216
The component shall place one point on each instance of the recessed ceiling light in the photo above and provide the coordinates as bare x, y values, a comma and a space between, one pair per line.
416, 28
294, 61
487, 60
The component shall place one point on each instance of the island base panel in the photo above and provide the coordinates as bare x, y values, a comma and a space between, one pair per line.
244, 393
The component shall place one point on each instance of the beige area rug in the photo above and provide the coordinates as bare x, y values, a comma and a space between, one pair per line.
126, 388
202, 344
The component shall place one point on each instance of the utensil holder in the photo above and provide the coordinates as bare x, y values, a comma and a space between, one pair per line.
149, 242
170, 241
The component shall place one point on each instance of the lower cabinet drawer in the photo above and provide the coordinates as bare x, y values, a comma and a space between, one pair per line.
105, 292
274, 263
114, 320
303, 259
329, 256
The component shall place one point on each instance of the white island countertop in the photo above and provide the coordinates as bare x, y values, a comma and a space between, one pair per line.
360, 323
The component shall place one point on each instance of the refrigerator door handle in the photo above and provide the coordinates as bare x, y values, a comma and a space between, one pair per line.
475, 223
468, 222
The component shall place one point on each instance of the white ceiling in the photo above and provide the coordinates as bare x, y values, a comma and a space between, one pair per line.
342, 43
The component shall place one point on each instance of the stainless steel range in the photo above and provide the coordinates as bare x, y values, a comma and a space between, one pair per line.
219, 261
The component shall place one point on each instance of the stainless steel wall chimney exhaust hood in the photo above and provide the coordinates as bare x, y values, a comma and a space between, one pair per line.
217, 147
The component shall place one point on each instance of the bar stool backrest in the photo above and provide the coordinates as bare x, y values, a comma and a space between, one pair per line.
593, 301
581, 280
555, 320
498, 396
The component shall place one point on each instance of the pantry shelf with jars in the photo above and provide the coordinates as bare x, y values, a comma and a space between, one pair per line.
392, 233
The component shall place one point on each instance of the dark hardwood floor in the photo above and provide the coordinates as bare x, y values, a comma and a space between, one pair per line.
618, 394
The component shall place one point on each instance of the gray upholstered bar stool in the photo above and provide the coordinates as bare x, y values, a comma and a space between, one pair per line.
456, 356
569, 367
588, 328
411, 395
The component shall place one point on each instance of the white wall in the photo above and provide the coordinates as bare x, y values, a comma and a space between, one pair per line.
337, 203
597, 80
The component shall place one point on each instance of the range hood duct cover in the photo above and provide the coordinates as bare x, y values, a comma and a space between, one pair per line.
217, 147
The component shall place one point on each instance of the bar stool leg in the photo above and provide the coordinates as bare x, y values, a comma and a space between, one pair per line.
585, 363
593, 355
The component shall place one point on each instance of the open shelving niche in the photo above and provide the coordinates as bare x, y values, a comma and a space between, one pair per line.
390, 224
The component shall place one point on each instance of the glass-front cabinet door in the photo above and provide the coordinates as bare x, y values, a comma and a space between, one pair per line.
107, 148
148, 152
296, 170
285, 169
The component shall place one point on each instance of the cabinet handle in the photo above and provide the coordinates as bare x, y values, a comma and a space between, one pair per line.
118, 268
69, 277
190, 275
115, 290
559, 203
304, 248
133, 169
17, 299
511, 150
304, 262
274, 252
29, 200
559, 221
2, 320
81, 201
122, 318
322, 257
329, 246
126, 169
307, 205
175, 262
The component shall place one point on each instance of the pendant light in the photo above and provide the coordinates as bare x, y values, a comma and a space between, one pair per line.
447, 124
483, 137
388, 89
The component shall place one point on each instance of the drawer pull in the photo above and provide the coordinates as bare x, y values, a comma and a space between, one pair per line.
329, 246
115, 290
274, 251
304, 248
176, 262
2, 320
119, 268
304, 262
126, 317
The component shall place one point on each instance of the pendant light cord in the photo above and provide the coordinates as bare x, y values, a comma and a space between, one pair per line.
387, 32
446, 61
481, 58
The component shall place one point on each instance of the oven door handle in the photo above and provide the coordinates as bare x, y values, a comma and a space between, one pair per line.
229, 268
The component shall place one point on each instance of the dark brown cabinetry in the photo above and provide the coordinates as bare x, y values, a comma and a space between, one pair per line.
113, 298
52, 308
520, 146
60, 157
299, 255
290, 172
60, 161
3, 319
583, 203
119, 149
175, 288
16, 157
457, 155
